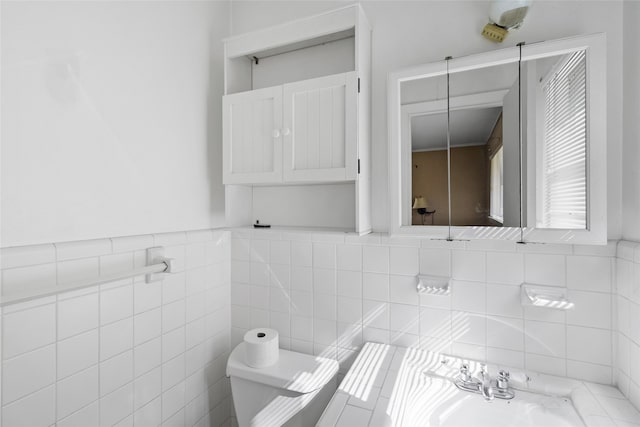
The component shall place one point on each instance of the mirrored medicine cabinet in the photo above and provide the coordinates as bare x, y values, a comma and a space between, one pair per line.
508, 144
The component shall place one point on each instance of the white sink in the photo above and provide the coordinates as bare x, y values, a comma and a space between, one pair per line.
437, 402
393, 386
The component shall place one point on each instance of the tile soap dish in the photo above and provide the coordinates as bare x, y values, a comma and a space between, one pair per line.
434, 285
545, 296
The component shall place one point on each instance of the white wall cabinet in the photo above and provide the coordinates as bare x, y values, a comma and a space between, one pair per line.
298, 132
320, 129
296, 123
252, 145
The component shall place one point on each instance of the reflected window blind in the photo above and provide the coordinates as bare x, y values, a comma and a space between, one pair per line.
564, 152
496, 208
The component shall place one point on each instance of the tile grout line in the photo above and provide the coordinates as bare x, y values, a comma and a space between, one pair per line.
2, 334
566, 327
162, 346
99, 292
524, 318
486, 314
450, 253
184, 348
133, 344
57, 303
613, 305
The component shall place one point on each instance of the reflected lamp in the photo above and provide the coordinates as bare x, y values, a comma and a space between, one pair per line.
422, 206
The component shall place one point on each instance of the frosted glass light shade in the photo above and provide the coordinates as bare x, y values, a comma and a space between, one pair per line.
509, 13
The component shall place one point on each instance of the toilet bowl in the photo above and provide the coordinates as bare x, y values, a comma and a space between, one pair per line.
293, 392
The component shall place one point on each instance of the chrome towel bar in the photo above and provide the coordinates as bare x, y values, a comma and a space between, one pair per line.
157, 263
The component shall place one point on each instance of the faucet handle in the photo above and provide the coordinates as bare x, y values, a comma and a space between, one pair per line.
464, 373
503, 380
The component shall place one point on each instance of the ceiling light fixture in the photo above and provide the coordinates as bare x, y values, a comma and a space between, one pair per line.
505, 15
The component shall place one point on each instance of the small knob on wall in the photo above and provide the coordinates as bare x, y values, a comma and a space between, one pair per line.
286, 131
275, 133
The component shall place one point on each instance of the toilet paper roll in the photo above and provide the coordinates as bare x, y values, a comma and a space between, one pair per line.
261, 347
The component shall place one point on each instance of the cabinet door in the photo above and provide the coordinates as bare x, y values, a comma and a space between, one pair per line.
251, 137
319, 129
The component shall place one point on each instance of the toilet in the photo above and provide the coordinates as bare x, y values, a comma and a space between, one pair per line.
293, 392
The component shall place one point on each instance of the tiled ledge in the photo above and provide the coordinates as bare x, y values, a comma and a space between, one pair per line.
332, 235
19, 256
364, 395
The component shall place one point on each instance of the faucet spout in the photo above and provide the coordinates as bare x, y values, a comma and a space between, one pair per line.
485, 384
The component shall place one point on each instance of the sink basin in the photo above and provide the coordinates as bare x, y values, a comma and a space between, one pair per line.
437, 402
390, 386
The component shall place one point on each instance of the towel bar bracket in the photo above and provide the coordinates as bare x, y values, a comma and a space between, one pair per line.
156, 255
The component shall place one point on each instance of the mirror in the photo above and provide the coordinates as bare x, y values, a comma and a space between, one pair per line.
516, 138
485, 154
424, 113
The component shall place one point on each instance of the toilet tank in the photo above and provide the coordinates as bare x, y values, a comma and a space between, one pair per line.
291, 393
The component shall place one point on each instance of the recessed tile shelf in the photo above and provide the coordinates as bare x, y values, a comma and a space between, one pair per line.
545, 296
433, 285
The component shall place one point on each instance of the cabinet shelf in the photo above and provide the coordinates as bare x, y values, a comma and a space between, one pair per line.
292, 47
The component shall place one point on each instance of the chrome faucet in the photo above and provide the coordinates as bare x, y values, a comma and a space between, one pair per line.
485, 386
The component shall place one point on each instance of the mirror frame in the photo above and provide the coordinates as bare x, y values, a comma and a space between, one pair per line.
400, 147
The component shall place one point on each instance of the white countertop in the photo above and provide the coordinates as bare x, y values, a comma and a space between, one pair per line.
363, 398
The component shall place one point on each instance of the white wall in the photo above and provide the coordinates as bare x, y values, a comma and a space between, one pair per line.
410, 32
631, 144
110, 118
111, 126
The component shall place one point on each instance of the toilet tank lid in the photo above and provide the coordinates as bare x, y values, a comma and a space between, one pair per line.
301, 373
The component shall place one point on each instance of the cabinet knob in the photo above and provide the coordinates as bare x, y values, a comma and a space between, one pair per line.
286, 131
275, 133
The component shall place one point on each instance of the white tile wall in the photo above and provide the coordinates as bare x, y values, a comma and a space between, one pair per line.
124, 353
151, 354
374, 298
627, 308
